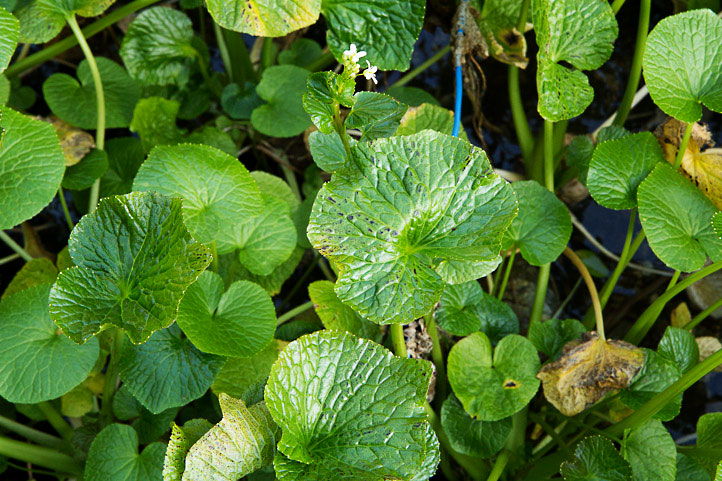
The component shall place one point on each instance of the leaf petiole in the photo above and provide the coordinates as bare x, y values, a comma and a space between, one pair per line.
15, 246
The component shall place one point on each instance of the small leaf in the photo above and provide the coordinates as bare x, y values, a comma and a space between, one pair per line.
83, 174
551, 336
412, 96
335, 416
427, 116
323, 91
595, 459
385, 29
39, 174
381, 222
264, 18
238, 322
157, 48
242, 442
375, 115
282, 86
580, 32
113, 456
470, 436
676, 218
680, 72
232, 270
76, 103
37, 363
238, 102
658, 373
327, 150
181, 440
688, 469
167, 371
137, 279
651, 452
493, 389
154, 121
302, 52
466, 308
679, 346
337, 316
709, 441
587, 370
618, 167
542, 228
77, 402
10, 30
34, 272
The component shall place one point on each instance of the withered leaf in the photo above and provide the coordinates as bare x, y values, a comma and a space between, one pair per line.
701, 163
708, 345
587, 370
75, 143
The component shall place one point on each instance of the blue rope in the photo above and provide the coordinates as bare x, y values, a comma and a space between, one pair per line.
459, 81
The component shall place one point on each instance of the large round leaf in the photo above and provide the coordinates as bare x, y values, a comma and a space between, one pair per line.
680, 69
282, 87
134, 260
167, 371
470, 436
217, 190
676, 217
76, 104
31, 167
618, 166
113, 456
493, 389
404, 206
9, 31
347, 405
37, 362
542, 228
238, 322
264, 18
386, 29
580, 33
157, 48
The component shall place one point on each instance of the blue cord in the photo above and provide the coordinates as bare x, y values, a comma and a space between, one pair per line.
457, 103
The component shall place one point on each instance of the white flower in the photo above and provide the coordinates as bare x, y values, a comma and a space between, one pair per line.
352, 55
370, 72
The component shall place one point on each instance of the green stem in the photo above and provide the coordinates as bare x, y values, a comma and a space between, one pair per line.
398, 341
223, 50
56, 420
521, 124
616, 5
507, 271
291, 179
99, 100
294, 312
267, 53
341, 129
437, 355
321, 62
239, 57
654, 405
111, 377
549, 155
635, 70
683, 146
572, 256
31, 434
540, 294
8, 259
499, 465
51, 51
66, 212
608, 287
551, 432
327, 273
15, 246
703, 315
649, 316
40, 455
409, 76
498, 273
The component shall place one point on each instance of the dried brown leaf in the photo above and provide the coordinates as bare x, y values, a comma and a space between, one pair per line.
75, 143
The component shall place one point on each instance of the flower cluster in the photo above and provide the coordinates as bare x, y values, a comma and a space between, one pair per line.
351, 66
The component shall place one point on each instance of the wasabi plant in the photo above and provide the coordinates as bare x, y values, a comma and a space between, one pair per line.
239, 246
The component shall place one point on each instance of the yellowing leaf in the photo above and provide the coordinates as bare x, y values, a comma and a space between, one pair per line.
708, 345
587, 371
680, 315
74, 142
700, 163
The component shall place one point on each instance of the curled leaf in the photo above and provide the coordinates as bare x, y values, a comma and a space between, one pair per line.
587, 371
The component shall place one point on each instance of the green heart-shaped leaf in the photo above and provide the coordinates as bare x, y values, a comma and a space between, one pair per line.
76, 103
157, 48
239, 102
37, 362
595, 459
618, 166
282, 86
138, 277
242, 442
39, 174
651, 452
9, 31
470, 436
264, 18
83, 174
338, 316
542, 228
386, 29
331, 393
238, 322
404, 206
580, 32
375, 115
167, 371
680, 70
676, 217
466, 308
493, 388
113, 456
550, 336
